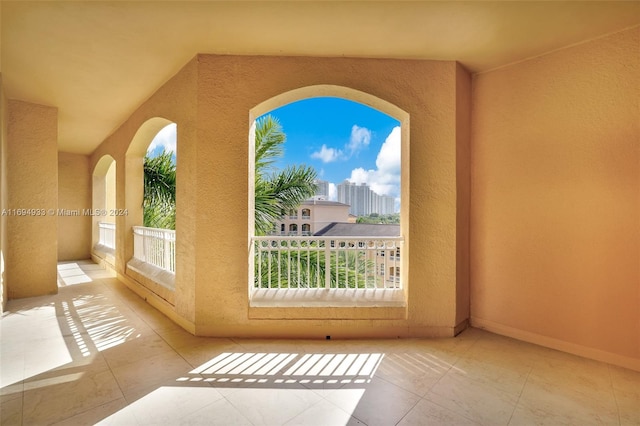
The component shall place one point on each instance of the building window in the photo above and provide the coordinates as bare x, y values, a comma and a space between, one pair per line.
293, 229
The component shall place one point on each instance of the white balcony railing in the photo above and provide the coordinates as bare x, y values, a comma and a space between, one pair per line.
107, 234
156, 247
326, 262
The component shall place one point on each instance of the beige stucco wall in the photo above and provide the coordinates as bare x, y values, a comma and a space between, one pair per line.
74, 194
555, 243
324, 215
210, 100
174, 102
4, 244
463, 194
229, 86
32, 177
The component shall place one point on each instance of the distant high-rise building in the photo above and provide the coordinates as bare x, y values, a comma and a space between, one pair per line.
322, 189
363, 200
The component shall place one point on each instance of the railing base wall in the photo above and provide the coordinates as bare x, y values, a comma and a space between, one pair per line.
157, 302
162, 305
156, 280
104, 255
358, 304
317, 313
292, 329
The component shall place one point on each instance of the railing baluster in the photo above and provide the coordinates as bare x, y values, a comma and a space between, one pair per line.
155, 246
359, 263
327, 264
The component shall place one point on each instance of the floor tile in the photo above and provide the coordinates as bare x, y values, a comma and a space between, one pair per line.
375, 403
149, 372
11, 412
96, 415
628, 403
473, 399
323, 413
500, 374
169, 404
564, 403
136, 350
68, 395
272, 406
220, 412
427, 413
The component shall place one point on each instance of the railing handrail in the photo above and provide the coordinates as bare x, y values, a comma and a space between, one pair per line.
139, 227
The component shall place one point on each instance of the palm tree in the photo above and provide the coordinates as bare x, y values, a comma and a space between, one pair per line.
276, 191
159, 203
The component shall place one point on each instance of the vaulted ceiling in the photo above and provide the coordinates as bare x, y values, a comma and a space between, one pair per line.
98, 61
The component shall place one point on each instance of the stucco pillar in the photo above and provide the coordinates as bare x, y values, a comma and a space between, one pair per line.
32, 182
463, 196
74, 196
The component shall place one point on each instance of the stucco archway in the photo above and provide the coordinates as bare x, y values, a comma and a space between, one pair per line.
134, 177
342, 92
103, 240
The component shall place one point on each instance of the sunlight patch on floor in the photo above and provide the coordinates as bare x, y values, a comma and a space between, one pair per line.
70, 274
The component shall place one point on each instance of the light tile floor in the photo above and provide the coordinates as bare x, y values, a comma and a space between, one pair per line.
97, 353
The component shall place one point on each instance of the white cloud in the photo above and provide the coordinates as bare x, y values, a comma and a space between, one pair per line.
166, 138
388, 160
360, 138
385, 179
327, 155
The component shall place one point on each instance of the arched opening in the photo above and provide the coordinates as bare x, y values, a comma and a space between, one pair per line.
151, 172
103, 241
351, 253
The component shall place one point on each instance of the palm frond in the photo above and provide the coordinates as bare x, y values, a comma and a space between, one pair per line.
159, 202
269, 143
275, 191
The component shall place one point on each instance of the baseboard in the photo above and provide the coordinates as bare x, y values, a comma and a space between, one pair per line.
561, 345
464, 324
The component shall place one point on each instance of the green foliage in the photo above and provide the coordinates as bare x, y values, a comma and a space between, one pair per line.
276, 191
376, 218
159, 203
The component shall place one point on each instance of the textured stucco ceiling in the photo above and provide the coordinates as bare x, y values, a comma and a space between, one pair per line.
98, 61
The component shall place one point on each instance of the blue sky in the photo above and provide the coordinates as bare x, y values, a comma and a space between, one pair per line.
341, 139
164, 140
